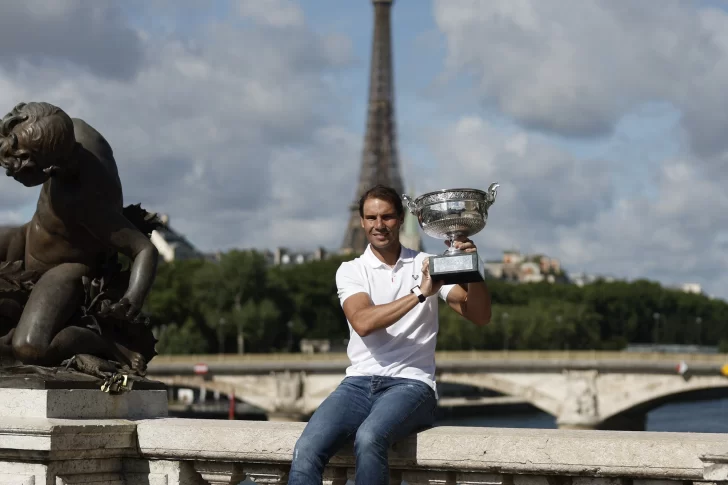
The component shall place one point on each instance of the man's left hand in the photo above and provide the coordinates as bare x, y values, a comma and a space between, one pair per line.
463, 244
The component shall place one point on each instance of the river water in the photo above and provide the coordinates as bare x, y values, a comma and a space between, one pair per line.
710, 416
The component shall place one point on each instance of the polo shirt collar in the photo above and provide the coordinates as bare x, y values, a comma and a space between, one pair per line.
406, 255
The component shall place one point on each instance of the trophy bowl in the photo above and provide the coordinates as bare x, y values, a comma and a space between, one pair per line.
449, 214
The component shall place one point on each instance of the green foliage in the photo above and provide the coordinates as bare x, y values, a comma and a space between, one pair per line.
205, 306
186, 339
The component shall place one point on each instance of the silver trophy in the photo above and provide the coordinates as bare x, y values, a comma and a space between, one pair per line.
449, 214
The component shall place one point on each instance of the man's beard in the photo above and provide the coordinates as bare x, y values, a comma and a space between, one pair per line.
382, 238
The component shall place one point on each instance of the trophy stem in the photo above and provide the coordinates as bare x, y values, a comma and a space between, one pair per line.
452, 249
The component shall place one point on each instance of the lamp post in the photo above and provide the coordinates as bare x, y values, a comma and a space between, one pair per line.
504, 318
698, 322
290, 335
559, 319
656, 329
221, 336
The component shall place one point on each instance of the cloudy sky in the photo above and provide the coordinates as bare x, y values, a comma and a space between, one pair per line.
605, 122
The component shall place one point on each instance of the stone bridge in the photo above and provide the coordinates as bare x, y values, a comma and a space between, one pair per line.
582, 390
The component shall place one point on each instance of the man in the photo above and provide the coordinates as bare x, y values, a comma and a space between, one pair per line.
389, 390
78, 227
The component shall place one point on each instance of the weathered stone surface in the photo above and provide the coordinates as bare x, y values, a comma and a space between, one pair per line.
82, 404
196, 452
220, 473
477, 478
335, 476
160, 472
423, 477
492, 450
61, 439
58, 451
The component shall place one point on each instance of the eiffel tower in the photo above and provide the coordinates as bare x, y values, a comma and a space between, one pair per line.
380, 162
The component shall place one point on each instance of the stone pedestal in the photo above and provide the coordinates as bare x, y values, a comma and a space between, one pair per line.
82, 404
28, 392
63, 429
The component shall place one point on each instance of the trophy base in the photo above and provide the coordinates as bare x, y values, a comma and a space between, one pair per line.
457, 268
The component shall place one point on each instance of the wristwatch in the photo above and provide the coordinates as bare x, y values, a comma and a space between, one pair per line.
416, 290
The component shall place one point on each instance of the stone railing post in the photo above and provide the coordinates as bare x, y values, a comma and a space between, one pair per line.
581, 406
288, 402
270, 474
220, 473
715, 467
335, 476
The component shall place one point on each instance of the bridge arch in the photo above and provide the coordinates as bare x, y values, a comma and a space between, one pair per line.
651, 398
503, 385
227, 389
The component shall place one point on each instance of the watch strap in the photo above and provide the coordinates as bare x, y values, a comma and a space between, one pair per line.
416, 290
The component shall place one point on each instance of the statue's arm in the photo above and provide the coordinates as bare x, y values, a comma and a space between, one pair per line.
12, 243
114, 229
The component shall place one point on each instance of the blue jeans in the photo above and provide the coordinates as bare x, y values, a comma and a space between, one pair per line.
378, 411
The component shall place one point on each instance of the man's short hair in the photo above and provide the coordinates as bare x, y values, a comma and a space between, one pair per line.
382, 192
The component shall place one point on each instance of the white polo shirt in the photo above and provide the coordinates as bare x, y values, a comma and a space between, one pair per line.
407, 347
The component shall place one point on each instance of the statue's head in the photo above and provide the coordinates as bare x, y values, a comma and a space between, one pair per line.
36, 142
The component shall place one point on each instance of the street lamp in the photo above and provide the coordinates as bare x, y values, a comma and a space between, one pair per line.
656, 329
559, 319
698, 322
504, 318
221, 336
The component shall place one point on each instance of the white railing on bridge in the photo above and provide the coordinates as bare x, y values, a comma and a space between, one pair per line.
195, 452
446, 455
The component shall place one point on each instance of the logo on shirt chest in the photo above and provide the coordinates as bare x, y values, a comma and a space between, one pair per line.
415, 277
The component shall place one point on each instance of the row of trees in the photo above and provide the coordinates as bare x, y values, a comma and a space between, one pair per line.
241, 304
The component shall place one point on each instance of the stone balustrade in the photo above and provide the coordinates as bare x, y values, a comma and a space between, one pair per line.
85, 436
224, 451
170, 451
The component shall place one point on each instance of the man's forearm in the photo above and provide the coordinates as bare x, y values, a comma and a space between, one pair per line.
376, 317
477, 305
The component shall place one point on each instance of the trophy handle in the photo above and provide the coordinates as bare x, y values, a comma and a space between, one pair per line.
409, 203
492, 192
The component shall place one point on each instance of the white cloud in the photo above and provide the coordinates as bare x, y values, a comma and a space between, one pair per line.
575, 67
569, 74
554, 203
542, 188
277, 13
208, 128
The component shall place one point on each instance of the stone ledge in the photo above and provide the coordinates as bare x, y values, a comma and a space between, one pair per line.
36, 439
81, 404
495, 450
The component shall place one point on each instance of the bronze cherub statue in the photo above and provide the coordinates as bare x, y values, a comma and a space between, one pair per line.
64, 291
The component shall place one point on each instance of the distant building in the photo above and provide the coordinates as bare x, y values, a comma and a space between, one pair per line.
323, 346
523, 268
581, 279
692, 288
173, 246
283, 256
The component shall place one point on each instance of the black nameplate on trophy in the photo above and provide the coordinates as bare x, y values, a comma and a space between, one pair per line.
457, 268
